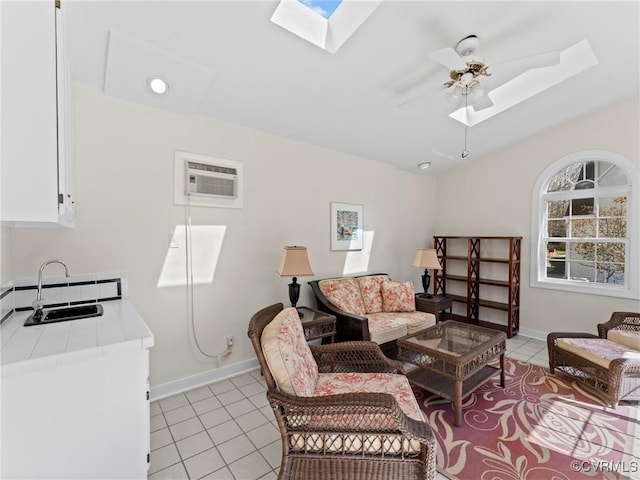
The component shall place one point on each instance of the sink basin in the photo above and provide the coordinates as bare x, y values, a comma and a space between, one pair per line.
66, 313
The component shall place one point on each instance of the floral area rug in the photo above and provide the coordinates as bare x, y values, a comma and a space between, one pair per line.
539, 427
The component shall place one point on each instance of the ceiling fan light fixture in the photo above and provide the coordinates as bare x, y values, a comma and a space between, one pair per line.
476, 93
452, 96
466, 79
464, 83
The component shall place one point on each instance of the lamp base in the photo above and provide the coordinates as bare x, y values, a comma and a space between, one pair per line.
294, 292
426, 280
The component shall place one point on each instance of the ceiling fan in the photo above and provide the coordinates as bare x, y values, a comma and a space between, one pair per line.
475, 94
468, 73
470, 89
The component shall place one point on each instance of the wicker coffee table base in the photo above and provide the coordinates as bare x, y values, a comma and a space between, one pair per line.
454, 389
454, 376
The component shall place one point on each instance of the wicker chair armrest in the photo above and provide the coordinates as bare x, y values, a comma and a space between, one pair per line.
624, 320
553, 336
359, 356
352, 327
624, 366
389, 415
603, 328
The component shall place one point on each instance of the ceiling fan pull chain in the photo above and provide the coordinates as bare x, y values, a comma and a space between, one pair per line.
465, 152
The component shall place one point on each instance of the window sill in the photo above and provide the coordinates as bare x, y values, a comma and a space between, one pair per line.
587, 289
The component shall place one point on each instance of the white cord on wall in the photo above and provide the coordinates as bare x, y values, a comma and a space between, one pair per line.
189, 284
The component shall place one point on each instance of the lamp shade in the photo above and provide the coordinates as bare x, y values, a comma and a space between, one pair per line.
427, 258
294, 262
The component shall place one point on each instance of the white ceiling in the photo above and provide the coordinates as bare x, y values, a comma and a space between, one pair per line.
249, 71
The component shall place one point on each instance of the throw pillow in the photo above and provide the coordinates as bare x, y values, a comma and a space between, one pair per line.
288, 355
398, 297
370, 288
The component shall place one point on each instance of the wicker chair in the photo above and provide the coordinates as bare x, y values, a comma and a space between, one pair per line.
621, 321
607, 362
346, 435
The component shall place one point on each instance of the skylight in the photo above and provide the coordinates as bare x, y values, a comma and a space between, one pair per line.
324, 8
321, 22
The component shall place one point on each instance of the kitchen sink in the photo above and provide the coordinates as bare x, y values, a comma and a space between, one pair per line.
63, 314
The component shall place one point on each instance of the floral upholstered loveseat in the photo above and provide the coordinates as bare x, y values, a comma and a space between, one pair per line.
371, 307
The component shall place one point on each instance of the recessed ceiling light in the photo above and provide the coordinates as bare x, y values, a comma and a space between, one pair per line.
157, 85
424, 165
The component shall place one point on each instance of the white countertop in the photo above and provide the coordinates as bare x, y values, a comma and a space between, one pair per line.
119, 326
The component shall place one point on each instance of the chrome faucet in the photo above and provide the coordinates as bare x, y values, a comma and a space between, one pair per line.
38, 303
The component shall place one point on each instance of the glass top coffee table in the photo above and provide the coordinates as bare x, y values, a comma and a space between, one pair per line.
452, 359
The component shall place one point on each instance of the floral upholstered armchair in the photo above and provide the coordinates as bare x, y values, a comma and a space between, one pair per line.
343, 410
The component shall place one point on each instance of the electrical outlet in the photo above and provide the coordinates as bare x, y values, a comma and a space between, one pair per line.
173, 241
230, 342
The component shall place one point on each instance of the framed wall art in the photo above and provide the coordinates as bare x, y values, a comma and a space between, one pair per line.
346, 226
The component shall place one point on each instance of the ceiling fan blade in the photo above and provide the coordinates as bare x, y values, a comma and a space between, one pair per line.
522, 64
449, 58
443, 155
415, 93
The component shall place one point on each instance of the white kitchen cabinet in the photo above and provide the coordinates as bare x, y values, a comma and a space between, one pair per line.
36, 166
75, 398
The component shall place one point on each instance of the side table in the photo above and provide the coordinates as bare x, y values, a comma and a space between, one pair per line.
436, 304
318, 325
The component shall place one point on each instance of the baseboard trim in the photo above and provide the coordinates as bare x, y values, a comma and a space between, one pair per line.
537, 334
181, 385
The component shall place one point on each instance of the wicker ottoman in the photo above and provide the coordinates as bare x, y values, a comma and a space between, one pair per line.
606, 366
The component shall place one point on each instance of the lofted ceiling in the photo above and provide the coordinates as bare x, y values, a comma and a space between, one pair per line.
227, 60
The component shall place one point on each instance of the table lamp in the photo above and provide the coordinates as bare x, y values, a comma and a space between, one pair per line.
426, 258
294, 263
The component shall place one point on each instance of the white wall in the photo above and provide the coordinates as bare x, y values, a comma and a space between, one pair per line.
5, 255
492, 196
125, 213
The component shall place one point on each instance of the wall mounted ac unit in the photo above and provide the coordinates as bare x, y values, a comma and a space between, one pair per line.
205, 181
210, 180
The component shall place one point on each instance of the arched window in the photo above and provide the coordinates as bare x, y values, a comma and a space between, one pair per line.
585, 225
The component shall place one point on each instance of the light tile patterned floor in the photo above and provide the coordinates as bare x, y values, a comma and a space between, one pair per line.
226, 430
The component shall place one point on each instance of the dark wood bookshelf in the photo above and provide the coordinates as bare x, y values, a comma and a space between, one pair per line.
477, 286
